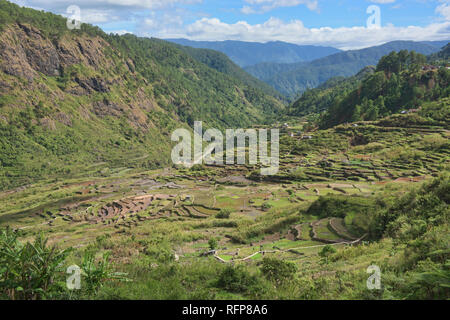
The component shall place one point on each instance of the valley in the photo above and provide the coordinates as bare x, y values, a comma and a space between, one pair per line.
88, 181
168, 217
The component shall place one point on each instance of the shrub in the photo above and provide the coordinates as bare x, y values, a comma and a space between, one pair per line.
30, 271
266, 206
224, 214
212, 243
97, 273
326, 252
236, 279
278, 271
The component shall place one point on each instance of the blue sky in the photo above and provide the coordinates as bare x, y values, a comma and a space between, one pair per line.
339, 23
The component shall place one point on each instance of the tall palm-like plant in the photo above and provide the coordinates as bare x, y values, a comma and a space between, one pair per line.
29, 271
96, 273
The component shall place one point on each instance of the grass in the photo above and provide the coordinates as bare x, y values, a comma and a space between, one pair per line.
145, 243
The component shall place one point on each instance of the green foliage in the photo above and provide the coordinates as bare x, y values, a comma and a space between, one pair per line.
428, 206
442, 56
357, 210
278, 271
30, 271
324, 96
202, 93
327, 251
212, 243
224, 213
220, 62
96, 273
266, 206
397, 62
292, 79
399, 84
42, 137
52, 25
237, 279
429, 281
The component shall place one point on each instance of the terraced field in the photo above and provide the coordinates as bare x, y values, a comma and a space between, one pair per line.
175, 210
131, 199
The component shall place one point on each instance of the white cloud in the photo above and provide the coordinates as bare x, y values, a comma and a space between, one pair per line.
98, 16
444, 9
120, 32
382, 1
294, 31
117, 14
262, 6
103, 4
166, 19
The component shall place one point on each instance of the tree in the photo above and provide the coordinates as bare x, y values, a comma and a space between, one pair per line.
277, 270
97, 273
212, 243
29, 271
326, 252
356, 114
389, 64
236, 279
224, 214
372, 112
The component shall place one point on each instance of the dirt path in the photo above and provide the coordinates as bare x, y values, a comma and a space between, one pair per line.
291, 249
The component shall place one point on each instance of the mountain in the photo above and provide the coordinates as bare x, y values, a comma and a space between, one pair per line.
323, 97
76, 101
220, 62
250, 53
402, 81
293, 79
444, 54
438, 44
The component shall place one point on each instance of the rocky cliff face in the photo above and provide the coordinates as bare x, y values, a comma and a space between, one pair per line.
81, 62
73, 101
70, 100
26, 51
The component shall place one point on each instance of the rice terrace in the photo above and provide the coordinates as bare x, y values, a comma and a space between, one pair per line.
87, 181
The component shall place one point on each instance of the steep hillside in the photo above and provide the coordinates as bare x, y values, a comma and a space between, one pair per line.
403, 82
82, 101
442, 55
250, 53
323, 97
220, 62
293, 79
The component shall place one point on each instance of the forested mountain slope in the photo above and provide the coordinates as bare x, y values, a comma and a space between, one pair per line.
402, 82
322, 98
79, 100
220, 62
251, 53
293, 79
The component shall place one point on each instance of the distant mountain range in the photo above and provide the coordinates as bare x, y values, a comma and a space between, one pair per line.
247, 54
291, 69
294, 78
222, 63
70, 100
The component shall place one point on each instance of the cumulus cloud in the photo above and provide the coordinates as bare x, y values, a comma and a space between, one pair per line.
103, 4
444, 9
262, 6
295, 32
167, 19
382, 1
105, 11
